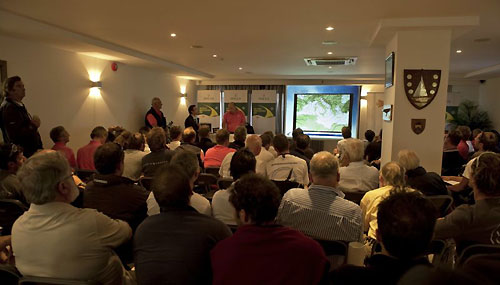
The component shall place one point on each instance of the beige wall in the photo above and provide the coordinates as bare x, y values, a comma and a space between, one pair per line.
57, 90
489, 100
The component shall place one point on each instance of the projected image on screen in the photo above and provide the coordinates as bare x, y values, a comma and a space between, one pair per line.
322, 112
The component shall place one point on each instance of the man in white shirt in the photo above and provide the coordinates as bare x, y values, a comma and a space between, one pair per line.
267, 139
189, 162
132, 164
55, 239
286, 166
243, 162
356, 176
254, 144
321, 212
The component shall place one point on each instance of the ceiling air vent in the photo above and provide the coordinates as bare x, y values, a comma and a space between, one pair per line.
330, 61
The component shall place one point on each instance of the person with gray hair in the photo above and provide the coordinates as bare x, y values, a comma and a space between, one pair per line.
429, 183
321, 211
55, 239
154, 117
356, 176
392, 178
133, 157
254, 144
189, 163
240, 135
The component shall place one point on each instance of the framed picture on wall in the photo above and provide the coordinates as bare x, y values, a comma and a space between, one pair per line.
3, 71
389, 70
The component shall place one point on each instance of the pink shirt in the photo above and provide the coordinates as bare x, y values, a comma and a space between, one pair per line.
233, 121
68, 152
215, 155
463, 149
85, 155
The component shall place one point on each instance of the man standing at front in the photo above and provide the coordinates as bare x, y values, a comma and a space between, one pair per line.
18, 126
192, 120
154, 117
233, 118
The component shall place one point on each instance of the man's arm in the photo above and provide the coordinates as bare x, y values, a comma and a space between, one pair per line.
152, 120
16, 126
112, 233
454, 223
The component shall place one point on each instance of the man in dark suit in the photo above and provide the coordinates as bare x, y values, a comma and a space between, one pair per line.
192, 120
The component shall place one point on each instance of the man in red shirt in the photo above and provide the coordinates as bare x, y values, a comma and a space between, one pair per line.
233, 118
261, 251
85, 155
216, 154
60, 137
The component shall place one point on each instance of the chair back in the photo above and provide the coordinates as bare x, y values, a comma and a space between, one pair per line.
442, 203
85, 175
284, 186
354, 196
146, 182
205, 183
10, 210
477, 249
335, 251
9, 274
213, 170
32, 280
224, 183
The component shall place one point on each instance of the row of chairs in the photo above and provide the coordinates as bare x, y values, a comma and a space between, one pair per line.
9, 275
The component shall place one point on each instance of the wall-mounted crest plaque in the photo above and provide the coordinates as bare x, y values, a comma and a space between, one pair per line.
421, 86
418, 125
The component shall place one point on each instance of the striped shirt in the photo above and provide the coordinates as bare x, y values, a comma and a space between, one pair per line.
321, 213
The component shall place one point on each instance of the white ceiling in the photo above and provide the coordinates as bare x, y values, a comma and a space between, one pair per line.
269, 39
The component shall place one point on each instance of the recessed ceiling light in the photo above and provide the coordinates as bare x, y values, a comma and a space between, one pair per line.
240, 68
173, 35
330, 52
329, 43
214, 55
329, 67
329, 28
459, 51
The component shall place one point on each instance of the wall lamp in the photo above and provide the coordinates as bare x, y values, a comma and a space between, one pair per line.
95, 84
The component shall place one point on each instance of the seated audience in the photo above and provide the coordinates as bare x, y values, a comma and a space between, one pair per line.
373, 151
462, 146
346, 134
112, 194
484, 141
216, 154
176, 136
266, 144
478, 223
174, 246
205, 142
11, 159
85, 155
254, 144
405, 228
301, 147
188, 144
466, 137
144, 132
243, 161
60, 137
113, 133
392, 178
321, 211
270, 147
369, 136
133, 157
240, 135
261, 251
429, 183
453, 161
55, 239
159, 153
123, 139
189, 163
286, 167
356, 176
295, 134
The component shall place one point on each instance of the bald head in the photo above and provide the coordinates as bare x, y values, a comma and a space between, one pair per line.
325, 169
254, 144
